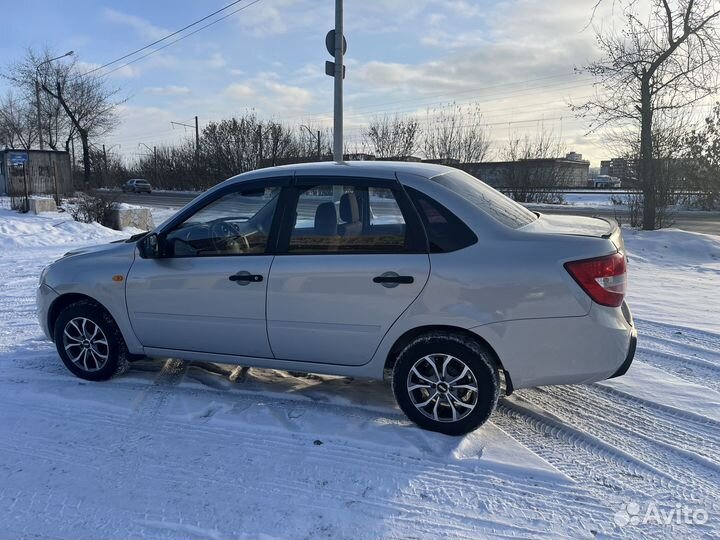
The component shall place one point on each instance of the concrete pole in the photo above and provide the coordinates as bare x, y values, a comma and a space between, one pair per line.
338, 118
39, 120
197, 144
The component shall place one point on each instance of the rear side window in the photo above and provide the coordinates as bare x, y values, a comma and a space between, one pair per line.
336, 218
445, 231
487, 199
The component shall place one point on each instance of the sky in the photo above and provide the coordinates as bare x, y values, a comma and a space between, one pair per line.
515, 59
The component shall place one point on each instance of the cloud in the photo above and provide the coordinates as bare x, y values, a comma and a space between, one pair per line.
170, 90
217, 61
269, 96
138, 24
125, 72
239, 92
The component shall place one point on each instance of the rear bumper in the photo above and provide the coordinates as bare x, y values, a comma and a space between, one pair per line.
622, 370
564, 350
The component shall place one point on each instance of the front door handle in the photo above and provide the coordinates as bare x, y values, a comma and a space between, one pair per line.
392, 279
245, 278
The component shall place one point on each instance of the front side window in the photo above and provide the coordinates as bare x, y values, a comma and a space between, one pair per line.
237, 223
343, 218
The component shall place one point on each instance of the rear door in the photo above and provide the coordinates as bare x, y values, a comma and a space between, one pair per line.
351, 258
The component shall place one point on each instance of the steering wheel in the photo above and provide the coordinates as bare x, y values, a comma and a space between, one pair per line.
223, 235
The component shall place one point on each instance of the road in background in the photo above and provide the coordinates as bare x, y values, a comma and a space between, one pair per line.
694, 221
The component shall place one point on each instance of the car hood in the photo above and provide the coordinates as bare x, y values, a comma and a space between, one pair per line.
113, 247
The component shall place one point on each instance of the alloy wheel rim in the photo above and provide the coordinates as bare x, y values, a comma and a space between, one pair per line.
442, 387
85, 344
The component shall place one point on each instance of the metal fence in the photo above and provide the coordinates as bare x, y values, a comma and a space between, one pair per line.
24, 181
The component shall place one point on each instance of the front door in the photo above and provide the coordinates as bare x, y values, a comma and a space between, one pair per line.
351, 259
207, 293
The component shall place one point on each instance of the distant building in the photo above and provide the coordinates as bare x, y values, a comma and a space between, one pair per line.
622, 168
42, 170
359, 156
538, 173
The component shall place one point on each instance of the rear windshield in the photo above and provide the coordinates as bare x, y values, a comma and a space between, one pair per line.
489, 200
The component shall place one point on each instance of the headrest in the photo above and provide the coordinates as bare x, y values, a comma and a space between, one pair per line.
349, 211
326, 219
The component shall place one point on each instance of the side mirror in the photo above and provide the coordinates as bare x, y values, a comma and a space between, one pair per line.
150, 246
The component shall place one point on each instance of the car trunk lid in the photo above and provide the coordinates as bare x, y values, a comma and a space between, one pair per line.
599, 227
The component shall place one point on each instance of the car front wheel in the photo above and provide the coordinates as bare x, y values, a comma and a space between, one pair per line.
89, 342
446, 383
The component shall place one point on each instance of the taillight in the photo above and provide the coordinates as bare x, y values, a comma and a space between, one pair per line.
604, 279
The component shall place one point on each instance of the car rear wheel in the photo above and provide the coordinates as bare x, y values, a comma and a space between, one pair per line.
89, 342
446, 383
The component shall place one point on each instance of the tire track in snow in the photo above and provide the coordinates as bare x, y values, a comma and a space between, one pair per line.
688, 436
637, 439
680, 337
614, 476
690, 369
436, 480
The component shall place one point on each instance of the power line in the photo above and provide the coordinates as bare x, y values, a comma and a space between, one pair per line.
128, 55
175, 40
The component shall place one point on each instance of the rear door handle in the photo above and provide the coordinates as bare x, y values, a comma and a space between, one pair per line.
392, 279
245, 278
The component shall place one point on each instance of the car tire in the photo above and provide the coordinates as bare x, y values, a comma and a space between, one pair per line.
89, 342
454, 400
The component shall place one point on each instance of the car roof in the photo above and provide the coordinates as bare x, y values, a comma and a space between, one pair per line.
376, 169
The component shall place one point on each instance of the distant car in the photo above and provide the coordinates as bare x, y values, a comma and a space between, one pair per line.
363, 269
137, 186
605, 181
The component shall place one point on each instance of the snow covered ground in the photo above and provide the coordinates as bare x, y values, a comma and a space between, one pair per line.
179, 450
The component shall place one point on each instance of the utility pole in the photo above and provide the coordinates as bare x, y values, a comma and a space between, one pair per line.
260, 147
313, 135
37, 93
39, 120
197, 144
197, 139
105, 160
155, 160
338, 118
72, 150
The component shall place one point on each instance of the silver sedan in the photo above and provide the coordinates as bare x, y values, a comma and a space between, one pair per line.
417, 272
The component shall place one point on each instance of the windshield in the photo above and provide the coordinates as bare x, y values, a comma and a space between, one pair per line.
487, 199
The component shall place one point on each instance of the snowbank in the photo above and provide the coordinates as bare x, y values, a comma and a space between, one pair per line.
27, 230
674, 276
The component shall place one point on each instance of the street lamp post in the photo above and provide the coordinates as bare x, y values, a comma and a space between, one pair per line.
37, 92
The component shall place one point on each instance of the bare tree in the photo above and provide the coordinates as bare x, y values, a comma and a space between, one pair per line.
18, 127
73, 101
667, 62
532, 174
702, 156
89, 105
392, 136
56, 126
456, 132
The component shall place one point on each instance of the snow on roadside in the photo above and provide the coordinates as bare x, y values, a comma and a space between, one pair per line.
674, 277
50, 229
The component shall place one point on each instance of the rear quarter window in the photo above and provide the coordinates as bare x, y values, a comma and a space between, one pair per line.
487, 199
445, 231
